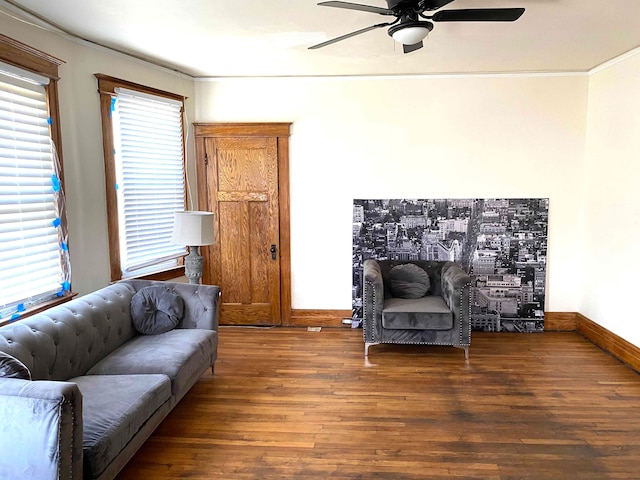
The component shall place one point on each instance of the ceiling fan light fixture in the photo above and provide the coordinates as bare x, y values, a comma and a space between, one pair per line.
410, 33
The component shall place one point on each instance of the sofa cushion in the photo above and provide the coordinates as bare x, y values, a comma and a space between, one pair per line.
180, 354
408, 281
156, 309
114, 408
426, 313
11, 367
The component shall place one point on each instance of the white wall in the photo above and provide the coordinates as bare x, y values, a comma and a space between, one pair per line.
611, 201
82, 139
415, 137
408, 137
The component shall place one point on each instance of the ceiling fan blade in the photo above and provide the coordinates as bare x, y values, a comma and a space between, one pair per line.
348, 35
357, 6
412, 48
429, 5
479, 15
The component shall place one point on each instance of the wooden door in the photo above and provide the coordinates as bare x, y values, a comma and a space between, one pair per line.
241, 179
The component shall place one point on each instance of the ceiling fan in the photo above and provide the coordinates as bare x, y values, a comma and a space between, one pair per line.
408, 29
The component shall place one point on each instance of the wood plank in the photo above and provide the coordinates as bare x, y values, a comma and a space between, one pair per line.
259, 257
560, 321
288, 403
241, 129
23, 56
108, 84
318, 318
207, 162
234, 275
242, 197
113, 227
285, 229
245, 314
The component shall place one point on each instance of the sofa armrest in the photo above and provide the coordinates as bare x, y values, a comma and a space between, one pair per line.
456, 291
40, 429
373, 300
201, 302
201, 305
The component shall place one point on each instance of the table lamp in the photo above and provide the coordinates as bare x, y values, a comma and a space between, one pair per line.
194, 229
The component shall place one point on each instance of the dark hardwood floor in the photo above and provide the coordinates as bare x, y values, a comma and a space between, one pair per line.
290, 404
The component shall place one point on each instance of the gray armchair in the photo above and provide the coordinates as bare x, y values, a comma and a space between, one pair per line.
441, 317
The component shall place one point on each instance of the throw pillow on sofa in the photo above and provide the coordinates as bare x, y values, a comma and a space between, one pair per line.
11, 367
408, 281
156, 309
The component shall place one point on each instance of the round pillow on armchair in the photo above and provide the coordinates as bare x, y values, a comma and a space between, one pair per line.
156, 309
408, 281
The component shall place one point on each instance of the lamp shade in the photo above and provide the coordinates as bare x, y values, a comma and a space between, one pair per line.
193, 228
410, 33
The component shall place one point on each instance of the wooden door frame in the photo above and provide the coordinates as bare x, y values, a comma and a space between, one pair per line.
281, 132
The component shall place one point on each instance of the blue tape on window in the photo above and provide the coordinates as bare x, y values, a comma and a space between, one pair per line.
21, 307
64, 247
66, 286
116, 185
56, 183
49, 120
113, 104
56, 222
14, 317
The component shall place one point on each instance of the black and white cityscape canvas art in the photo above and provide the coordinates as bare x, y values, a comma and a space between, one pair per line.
501, 243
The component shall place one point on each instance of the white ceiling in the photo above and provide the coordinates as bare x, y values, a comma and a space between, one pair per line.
270, 37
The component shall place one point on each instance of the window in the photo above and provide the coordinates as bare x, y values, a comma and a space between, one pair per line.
33, 227
144, 166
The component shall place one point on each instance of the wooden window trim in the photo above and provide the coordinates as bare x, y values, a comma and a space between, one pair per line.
23, 56
41, 307
107, 89
163, 275
28, 58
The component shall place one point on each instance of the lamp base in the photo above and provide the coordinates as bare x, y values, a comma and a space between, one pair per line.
193, 265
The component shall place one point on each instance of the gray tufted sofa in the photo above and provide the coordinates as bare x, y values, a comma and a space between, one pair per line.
99, 389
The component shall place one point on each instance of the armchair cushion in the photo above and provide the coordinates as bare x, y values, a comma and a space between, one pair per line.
425, 313
408, 281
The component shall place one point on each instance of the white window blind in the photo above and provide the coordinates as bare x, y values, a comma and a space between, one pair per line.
33, 253
150, 178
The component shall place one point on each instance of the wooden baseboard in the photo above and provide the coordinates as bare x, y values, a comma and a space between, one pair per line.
610, 342
553, 322
560, 321
318, 318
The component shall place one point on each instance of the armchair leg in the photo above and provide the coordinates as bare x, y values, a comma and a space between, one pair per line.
366, 347
466, 350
